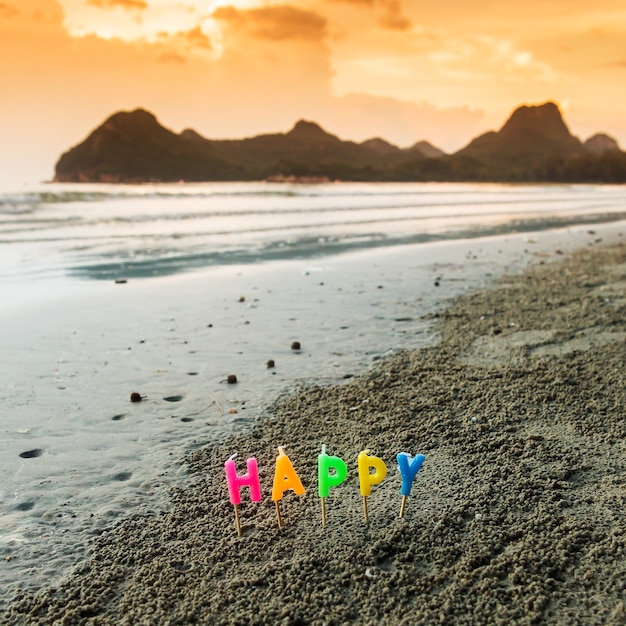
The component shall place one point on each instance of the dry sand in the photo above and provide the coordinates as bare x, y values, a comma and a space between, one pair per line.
517, 516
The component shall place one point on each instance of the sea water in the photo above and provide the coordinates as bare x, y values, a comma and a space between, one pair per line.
167, 289
103, 232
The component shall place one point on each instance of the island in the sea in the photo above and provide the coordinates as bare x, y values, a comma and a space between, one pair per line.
534, 145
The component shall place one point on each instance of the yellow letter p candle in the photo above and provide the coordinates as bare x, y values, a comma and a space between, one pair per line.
367, 479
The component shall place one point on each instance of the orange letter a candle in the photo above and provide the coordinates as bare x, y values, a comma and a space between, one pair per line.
285, 478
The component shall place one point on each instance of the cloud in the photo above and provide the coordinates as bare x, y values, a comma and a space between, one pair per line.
394, 21
180, 47
172, 57
196, 37
356, 2
7, 10
393, 18
482, 57
582, 53
130, 5
276, 23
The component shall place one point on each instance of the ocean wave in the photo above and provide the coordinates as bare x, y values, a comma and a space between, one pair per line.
163, 261
56, 194
100, 231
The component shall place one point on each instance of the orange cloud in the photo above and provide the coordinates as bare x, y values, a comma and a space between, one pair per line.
172, 57
394, 18
357, 2
277, 23
7, 10
180, 47
130, 5
196, 37
597, 47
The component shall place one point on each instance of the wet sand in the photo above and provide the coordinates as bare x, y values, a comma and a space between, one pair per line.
517, 516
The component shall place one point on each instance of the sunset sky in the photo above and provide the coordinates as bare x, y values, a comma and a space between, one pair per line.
403, 70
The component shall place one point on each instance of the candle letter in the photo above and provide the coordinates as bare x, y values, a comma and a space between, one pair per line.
285, 477
236, 482
326, 480
409, 466
366, 479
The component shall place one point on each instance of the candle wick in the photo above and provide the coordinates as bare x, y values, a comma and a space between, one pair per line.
323, 448
232, 458
281, 450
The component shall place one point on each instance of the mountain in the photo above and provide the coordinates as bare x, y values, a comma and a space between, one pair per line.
427, 149
534, 144
601, 143
380, 146
135, 147
531, 139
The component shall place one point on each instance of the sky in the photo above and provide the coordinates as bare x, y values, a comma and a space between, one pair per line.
404, 70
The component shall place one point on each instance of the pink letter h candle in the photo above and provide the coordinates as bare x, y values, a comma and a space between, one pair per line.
236, 481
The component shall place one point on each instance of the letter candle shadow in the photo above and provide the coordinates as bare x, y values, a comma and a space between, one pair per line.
236, 482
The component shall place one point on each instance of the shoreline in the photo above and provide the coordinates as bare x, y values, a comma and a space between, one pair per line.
517, 515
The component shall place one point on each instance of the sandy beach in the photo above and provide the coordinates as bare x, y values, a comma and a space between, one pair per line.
517, 516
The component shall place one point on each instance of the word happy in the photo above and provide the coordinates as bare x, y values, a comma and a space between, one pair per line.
332, 471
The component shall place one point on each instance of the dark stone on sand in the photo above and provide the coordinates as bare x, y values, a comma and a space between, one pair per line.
122, 476
295, 345
136, 397
118, 417
271, 363
232, 379
31, 454
25, 506
173, 398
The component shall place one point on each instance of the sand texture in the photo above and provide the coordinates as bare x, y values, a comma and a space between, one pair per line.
518, 515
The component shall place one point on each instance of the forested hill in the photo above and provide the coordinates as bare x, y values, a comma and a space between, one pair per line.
534, 145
